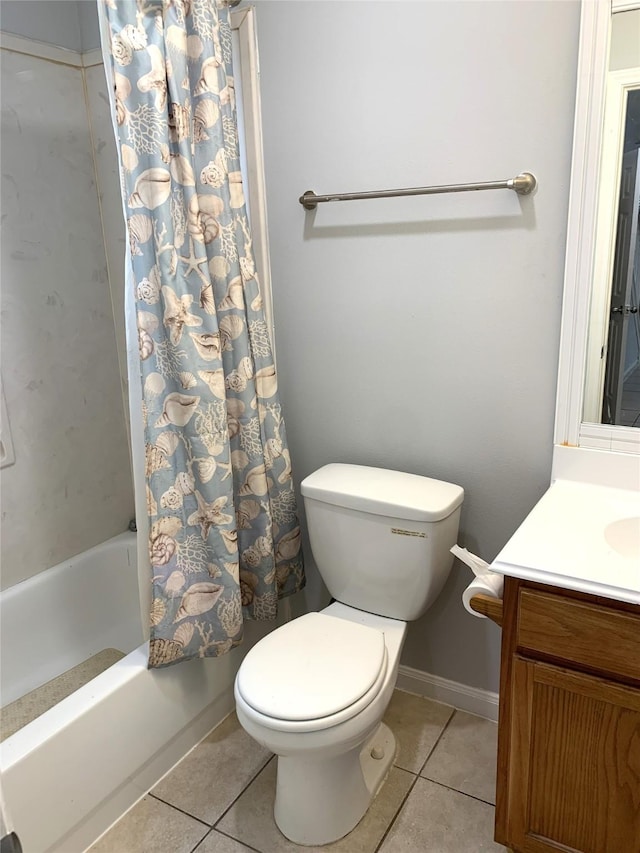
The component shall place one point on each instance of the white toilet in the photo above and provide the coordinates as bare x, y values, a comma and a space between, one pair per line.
315, 690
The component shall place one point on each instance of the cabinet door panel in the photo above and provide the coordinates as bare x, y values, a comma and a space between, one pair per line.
576, 762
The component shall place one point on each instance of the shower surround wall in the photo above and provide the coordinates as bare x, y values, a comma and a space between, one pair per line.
70, 487
57, 22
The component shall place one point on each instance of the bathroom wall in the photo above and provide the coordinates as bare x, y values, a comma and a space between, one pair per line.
421, 334
70, 487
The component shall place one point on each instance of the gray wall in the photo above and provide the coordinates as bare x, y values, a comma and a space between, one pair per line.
422, 334
52, 21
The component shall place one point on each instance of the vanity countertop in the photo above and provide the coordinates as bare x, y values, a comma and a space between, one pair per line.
579, 536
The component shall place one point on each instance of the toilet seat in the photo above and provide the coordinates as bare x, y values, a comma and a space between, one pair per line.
312, 673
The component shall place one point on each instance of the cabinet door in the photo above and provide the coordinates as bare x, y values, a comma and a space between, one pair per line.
574, 776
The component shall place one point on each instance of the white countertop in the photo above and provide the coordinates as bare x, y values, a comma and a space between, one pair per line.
579, 536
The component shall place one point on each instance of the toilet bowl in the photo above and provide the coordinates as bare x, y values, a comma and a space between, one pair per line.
314, 691
331, 765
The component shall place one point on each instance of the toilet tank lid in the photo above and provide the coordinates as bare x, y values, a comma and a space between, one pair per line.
383, 492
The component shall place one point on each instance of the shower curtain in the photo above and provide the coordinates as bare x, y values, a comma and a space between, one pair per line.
224, 538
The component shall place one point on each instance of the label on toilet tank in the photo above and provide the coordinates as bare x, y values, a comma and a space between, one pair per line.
402, 532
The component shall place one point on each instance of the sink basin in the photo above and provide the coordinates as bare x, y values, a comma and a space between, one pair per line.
624, 536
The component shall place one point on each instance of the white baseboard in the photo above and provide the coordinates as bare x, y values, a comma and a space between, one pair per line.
483, 703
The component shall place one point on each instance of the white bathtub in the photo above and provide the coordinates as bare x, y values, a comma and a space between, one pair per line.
69, 774
63, 616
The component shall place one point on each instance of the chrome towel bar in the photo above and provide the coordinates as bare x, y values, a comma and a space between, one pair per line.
523, 184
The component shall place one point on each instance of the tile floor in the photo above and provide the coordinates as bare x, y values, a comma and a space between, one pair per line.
438, 798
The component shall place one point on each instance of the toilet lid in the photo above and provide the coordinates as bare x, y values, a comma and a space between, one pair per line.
311, 667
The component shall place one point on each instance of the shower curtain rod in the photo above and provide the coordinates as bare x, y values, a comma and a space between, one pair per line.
523, 184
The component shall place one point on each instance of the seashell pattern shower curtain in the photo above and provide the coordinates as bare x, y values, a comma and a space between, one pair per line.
224, 534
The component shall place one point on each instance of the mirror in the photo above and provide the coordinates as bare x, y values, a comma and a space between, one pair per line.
608, 77
621, 391
612, 384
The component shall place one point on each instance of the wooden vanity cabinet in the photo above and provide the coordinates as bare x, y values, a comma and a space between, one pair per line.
569, 725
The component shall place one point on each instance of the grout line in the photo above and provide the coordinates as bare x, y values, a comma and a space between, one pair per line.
435, 781
398, 810
438, 739
416, 776
457, 791
226, 835
250, 782
408, 794
178, 809
206, 835
211, 826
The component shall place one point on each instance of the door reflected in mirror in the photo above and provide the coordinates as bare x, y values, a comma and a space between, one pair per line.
621, 391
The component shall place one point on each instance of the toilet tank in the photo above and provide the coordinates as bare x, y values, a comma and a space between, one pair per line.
381, 538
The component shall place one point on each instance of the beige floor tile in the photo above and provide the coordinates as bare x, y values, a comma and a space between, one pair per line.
465, 757
417, 723
437, 820
211, 776
215, 842
251, 818
151, 827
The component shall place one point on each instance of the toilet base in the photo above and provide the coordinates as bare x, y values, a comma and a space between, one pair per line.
320, 801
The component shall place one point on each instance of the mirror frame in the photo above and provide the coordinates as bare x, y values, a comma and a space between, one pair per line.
593, 68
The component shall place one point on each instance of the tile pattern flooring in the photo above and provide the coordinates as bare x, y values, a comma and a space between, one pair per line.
438, 798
